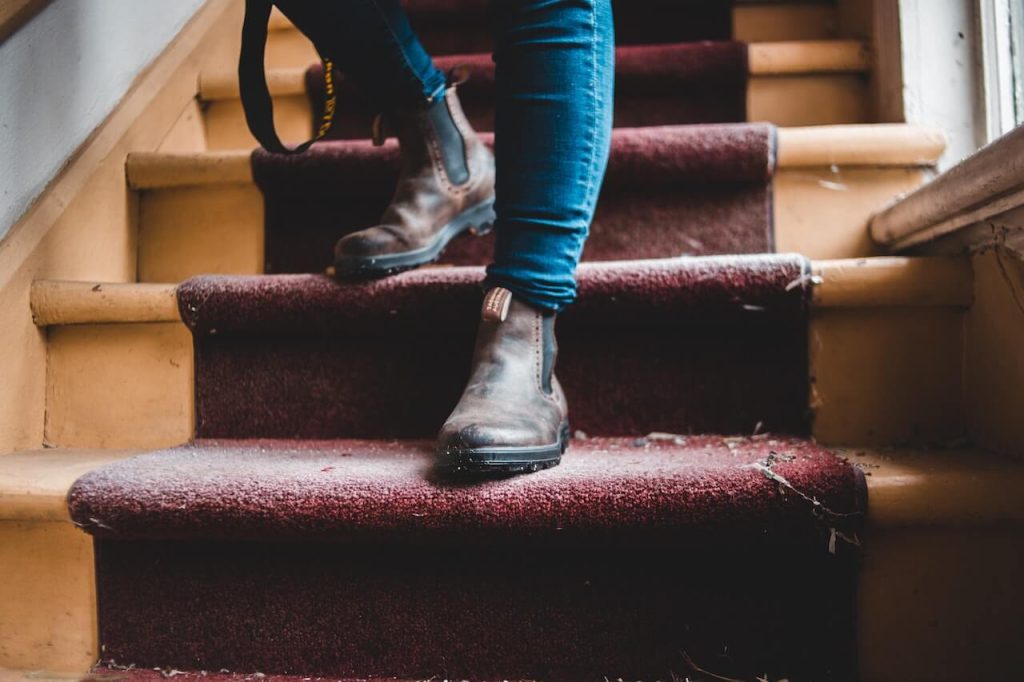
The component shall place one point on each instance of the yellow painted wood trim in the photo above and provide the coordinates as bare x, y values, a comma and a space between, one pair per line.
847, 283
880, 145
765, 59
155, 170
940, 488
89, 204
877, 144
224, 84
809, 56
55, 302
34, 484
893, 281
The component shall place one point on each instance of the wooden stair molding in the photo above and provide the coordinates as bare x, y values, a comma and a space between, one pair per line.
809, 56
59, 303
893, 282
871, 146
850, 283
976, 203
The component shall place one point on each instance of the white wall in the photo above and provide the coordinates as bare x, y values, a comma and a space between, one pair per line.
942, 83
61, 74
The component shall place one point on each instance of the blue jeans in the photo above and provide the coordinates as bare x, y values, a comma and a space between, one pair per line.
555, 66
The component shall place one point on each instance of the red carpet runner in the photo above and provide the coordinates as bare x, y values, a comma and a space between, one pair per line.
351, 558
688, 345
641, 557
669, 191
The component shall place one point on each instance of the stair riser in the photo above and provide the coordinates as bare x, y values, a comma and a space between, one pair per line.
48, 597
475, 613
661, 222
782, 100
338, 389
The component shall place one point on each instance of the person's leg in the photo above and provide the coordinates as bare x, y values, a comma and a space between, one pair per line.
446, 185
555, 66
555, 70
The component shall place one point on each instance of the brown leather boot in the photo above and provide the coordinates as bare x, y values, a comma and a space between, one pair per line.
446, 187
512, 417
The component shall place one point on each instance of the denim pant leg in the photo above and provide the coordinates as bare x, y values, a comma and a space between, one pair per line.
372, 42
555, 66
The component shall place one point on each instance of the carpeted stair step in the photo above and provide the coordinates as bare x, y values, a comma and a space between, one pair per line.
635, 558
703, 82
716, 344
943, 535
669, 191
202, 213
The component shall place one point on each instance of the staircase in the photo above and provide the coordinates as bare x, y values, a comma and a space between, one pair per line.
247, 442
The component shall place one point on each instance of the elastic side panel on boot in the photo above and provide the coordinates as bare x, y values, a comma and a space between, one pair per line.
654, 85
681, 345
669, 191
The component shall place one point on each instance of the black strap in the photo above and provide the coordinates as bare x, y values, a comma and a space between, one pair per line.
252, 83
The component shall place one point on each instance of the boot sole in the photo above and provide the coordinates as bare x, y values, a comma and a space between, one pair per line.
479, 219
504, 461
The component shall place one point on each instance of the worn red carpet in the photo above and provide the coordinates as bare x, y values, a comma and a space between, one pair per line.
669, 191
464, 26
632, 559
682, 83
714, 344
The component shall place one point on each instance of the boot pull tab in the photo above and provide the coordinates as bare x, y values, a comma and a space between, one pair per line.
496, 305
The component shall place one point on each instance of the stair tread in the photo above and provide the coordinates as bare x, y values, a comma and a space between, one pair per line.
874, 145
749, 289
677, 490
908, 486
639, 157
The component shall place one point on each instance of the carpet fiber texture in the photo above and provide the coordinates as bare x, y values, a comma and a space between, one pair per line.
703, 82
669, 191
352, 558
712, 344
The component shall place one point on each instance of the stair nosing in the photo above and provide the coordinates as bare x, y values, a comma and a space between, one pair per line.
857, 145
897, 281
